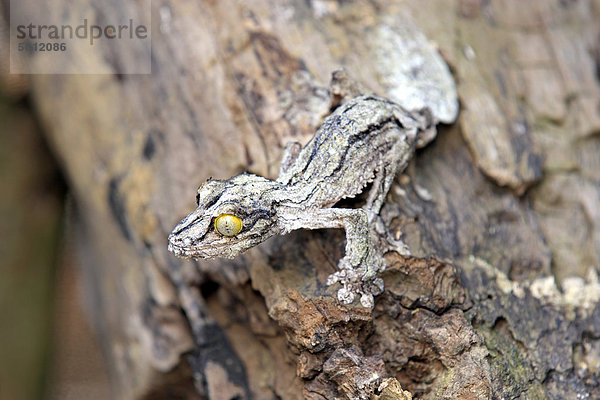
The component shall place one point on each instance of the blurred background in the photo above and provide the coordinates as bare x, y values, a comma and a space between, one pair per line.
47, 349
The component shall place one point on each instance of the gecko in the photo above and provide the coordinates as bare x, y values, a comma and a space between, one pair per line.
366, 140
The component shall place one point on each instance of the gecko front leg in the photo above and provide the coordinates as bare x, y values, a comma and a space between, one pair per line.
359, 267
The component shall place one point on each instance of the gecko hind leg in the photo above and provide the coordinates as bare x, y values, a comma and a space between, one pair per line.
375, 200
385, 174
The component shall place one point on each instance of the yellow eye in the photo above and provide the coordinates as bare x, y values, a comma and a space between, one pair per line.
228, 225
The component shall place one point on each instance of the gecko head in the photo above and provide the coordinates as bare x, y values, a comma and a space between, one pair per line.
232, 216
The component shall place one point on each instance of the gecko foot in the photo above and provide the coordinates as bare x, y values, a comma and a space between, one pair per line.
357, 282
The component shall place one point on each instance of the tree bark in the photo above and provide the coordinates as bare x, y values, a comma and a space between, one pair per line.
501, 212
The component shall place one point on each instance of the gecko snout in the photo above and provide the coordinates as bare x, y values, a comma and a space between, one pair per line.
185, 234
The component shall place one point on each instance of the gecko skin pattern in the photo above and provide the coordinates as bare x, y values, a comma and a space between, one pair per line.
366, 139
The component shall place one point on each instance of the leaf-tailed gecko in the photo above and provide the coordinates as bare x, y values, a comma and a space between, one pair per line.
366, 139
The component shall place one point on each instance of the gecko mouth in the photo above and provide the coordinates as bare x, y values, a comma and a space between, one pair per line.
185, 252
214, 247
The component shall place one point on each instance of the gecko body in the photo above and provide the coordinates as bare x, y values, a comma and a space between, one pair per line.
367, 139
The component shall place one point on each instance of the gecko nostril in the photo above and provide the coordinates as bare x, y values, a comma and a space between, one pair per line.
174, 239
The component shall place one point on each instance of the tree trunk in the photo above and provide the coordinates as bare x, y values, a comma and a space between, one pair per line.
501, 212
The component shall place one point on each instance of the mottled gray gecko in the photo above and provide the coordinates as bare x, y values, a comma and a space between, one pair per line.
366, 139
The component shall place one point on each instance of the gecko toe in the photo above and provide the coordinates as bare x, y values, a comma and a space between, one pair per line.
367, 300
345, 296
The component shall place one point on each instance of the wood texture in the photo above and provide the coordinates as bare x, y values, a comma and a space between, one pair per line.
501, 212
